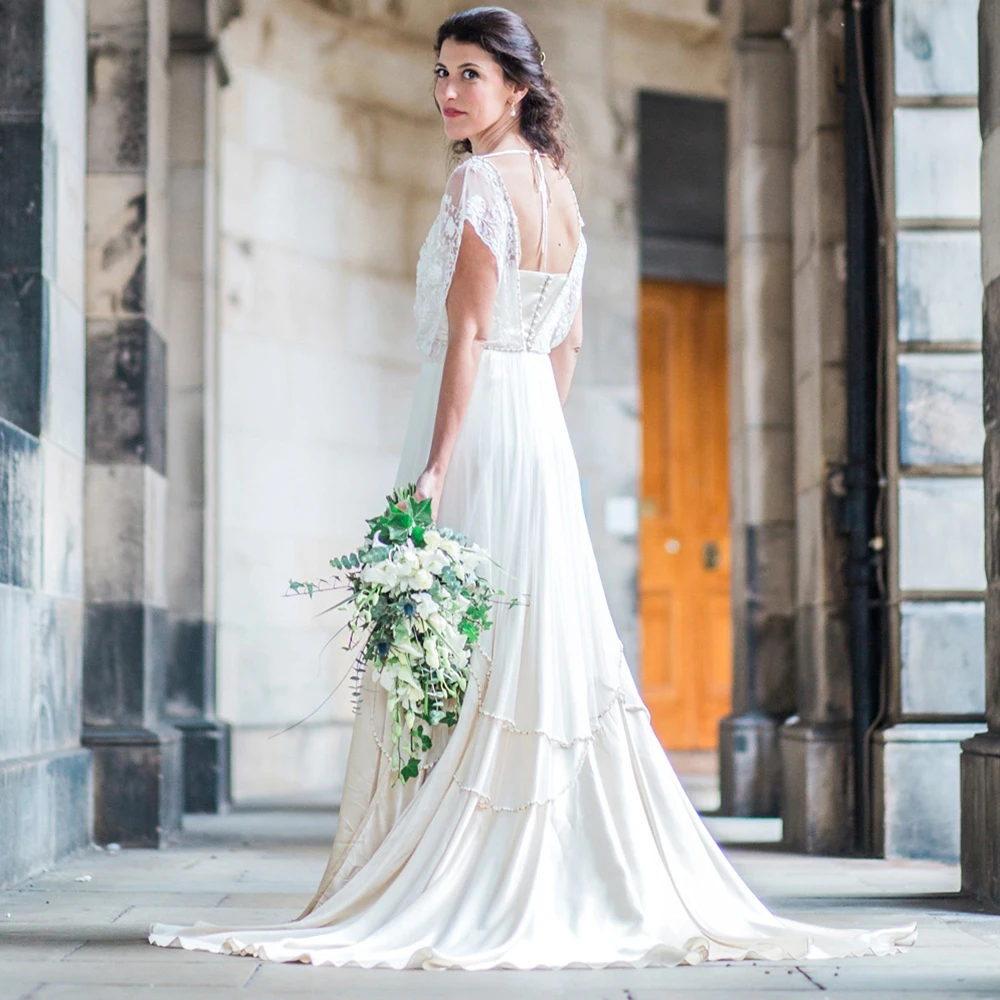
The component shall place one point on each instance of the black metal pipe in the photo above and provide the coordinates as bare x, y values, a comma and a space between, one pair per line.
861, 474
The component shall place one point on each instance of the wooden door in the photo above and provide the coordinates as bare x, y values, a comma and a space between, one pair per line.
684, 528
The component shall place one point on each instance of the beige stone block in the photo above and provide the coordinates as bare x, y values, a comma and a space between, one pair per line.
377, 70
411, 155
186, 323
329, 136
766, 186
237, 293
421, 211
605, 431
125, 511
373, 315
310, 760
809, 418
991, 207
820, 424
375, 229
267, 99
420, 20
834, 388
649, 53
769, 475
238, 178
62, 522
606, 194
188, 94
64, 420
185, 556
275, 676
186, 444
767, 333
296, 299
764, 95
115, 249
818, 53
302, 210
809, 318
598, 130
811, 531
66, 261
818, 192
764, 17
187, 221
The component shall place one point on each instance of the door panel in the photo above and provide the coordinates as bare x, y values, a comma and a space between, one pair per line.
684, 529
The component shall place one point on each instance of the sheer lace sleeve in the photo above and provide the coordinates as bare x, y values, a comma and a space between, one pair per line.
474, 194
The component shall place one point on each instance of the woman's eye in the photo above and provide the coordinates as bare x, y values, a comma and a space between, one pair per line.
440, 72
471, 74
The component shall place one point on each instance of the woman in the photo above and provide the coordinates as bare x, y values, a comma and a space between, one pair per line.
548, 829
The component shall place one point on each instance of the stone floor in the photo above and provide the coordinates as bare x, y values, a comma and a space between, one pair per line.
79, 931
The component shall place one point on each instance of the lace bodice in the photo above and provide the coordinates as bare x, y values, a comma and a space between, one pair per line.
534, 309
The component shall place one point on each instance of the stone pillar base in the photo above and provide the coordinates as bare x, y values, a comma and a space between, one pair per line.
206, 765
980, 817
915, 789
817, 807
47, 811
138, 785
749, 765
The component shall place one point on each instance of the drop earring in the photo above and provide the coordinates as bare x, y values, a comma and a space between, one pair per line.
513, 111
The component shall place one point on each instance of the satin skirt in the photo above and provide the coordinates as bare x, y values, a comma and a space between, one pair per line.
547, 829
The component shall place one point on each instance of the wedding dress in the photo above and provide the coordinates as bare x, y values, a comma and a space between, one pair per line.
547, 829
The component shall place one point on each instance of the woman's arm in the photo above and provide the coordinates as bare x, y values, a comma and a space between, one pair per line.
565, 354
471, 297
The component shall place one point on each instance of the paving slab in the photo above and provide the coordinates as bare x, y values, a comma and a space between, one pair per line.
85, 940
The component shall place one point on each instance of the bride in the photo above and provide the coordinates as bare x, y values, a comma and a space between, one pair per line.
548, 829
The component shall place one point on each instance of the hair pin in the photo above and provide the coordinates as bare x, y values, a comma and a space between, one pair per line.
542, 60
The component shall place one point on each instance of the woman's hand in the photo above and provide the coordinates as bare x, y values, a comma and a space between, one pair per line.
430, 484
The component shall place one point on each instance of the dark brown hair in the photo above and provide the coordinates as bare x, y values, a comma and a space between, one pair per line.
506, 37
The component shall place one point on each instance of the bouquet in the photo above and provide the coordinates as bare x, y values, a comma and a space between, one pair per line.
418, 605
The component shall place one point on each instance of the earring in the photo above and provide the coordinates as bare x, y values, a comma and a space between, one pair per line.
513, 111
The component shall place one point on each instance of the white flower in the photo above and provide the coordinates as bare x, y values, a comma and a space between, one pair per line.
384, 573
422, 580
425, 604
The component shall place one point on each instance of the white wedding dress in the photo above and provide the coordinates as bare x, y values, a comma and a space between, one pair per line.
548, 829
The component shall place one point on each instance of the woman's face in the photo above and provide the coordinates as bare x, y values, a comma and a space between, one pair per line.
470, 90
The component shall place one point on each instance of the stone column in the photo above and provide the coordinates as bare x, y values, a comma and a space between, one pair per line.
980, 763
191, 407
761, 434
816, 744
137, 757
45, 775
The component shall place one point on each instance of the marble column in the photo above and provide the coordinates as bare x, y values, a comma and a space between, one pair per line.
137, 756
761, 407
980, 761
191, 406
45, 775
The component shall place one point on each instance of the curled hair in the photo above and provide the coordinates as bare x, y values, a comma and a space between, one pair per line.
506, 37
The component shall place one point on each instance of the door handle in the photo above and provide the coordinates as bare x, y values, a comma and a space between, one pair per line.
710, 555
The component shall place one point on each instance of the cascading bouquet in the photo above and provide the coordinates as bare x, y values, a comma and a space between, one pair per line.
418, 606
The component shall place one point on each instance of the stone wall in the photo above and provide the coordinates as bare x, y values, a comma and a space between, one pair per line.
332, 164
45, 777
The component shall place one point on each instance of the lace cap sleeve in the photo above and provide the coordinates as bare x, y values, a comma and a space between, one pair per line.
474, 194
